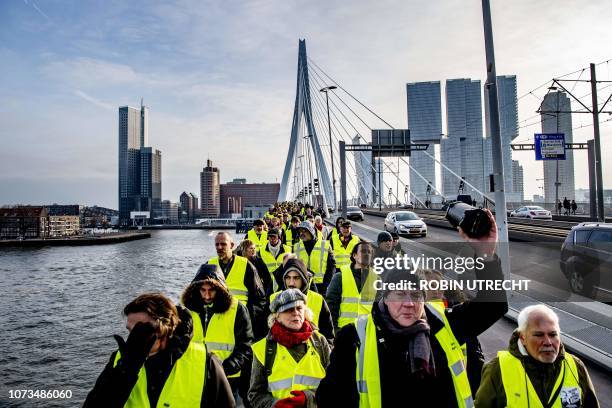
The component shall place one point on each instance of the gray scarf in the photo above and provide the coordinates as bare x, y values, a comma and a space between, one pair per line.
416, 336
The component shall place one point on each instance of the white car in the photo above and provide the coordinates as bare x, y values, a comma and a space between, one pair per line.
533, 212
405, 223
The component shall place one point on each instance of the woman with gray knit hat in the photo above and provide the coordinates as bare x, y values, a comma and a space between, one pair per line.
222, 323
407, 352
290, 361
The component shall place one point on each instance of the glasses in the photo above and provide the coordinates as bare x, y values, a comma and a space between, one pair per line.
399, 296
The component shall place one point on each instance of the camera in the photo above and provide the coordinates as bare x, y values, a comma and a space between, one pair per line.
473, 221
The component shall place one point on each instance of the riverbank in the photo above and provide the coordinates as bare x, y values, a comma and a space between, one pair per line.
105, 239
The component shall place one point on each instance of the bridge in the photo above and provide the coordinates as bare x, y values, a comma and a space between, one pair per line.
336, 158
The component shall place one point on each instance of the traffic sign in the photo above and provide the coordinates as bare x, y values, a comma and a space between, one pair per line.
550, 146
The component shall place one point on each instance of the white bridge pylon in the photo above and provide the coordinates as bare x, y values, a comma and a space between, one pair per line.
305, 158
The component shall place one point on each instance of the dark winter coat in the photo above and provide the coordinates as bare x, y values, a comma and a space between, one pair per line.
491, 393
114, 385
398, 386
330, 269
334, 291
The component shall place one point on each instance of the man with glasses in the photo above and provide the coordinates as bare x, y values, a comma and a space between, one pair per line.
407, 352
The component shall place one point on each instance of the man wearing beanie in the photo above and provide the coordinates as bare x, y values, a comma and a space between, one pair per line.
222, 323
291, 360
407, 352
295, 276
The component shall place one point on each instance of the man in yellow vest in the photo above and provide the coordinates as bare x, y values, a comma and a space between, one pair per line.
222, 324
270, 258
292, 233
407, 352
343, 244
351, 292
536, 370
158, 365
317, 255
243, 282
293, 275
257, 235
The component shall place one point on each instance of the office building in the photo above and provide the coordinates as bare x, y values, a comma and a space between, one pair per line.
189, 210
169, 212
236, 197
518, 184
210, 191
24, 222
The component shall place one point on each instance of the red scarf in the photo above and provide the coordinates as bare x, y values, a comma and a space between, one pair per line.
290, 338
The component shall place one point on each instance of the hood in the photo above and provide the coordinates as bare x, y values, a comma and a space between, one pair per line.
298, 266
192, 300
183, 333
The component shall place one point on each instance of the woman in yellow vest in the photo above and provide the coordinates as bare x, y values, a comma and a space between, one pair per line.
290, 361
158, 365
407, 352
222, 324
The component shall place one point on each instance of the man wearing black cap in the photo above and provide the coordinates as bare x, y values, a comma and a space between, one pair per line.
293, 275
222, 323
343, 244
270, 258
316, 255
407, 351
257, 235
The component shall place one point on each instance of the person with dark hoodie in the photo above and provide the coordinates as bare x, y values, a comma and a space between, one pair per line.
159, 365
293, 275
351, 291
317, 255
407, 352
536, 370
222, 323
291, 360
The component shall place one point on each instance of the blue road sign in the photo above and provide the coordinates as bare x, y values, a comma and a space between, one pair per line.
550, 146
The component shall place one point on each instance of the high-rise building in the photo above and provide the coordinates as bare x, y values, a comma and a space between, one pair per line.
462, 148
425, 124
189, 207
508, 124
561, 170
518, 183
363, 168
210, 191
169, 212
139, 165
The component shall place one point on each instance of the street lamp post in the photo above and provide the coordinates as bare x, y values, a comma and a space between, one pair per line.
331, 146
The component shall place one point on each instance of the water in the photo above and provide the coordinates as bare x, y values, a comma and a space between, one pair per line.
60, 306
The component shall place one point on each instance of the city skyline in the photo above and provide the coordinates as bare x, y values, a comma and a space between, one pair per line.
215, 75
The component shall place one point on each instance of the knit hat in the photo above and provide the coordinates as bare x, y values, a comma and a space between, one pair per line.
395, 235
258, 221
384, 236
345, 223
286, 300
410, 281
210, 272
307, 225
274, 231
297, 265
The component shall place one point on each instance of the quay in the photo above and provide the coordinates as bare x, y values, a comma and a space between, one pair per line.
105, 239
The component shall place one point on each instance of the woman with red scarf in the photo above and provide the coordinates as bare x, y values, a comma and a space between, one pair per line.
290, 361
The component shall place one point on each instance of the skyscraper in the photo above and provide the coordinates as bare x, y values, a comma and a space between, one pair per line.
554, 122
508, 124
425, 124
518, 183
363, 168
210, 191
139, 165
462, 149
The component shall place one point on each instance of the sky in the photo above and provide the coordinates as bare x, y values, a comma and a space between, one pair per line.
219, 78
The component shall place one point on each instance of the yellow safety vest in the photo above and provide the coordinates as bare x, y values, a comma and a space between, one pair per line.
273, 263
288, 375
316, 262
260, 241
219, 337
368, 374
234, 278
288, 237
354, 303
520, 391
314, 301
343, 255
184, 385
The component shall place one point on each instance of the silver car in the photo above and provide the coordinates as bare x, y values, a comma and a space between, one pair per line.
405, 223
354, 213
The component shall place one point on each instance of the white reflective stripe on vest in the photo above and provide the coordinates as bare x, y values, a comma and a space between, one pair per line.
219, 346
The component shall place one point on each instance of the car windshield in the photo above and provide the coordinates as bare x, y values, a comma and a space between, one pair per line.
536, 208
352, 209
407, 216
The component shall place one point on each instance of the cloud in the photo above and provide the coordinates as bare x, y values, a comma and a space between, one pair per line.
93, 100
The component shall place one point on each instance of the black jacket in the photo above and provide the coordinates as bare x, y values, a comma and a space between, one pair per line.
264, 273
398, 386
257, 303
114, 385
334, 292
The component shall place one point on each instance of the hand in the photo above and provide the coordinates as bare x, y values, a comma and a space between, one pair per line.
297, 401
485, 245
134, 352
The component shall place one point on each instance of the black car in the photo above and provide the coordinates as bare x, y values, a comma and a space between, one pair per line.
586, 260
